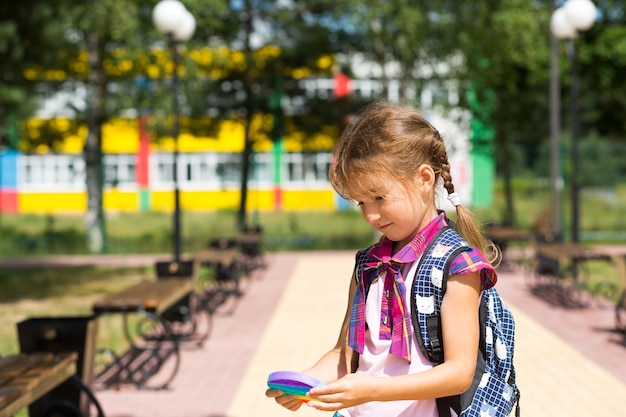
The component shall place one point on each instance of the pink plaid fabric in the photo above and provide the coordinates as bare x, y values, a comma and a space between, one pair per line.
395, 323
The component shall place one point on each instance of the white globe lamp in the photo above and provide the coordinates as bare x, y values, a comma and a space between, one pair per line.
580, 13
561, 26
186, 27
167, 15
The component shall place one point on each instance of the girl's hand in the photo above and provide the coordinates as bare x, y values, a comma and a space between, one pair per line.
352, 389
290, 402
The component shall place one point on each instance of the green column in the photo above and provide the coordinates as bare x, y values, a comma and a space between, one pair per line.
482, 138
278, 133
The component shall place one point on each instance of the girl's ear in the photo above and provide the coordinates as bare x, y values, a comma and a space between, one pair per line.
426, 176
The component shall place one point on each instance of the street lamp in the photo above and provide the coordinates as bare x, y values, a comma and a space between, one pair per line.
172, 18
567, 22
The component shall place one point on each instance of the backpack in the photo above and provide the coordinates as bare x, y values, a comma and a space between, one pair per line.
493, 391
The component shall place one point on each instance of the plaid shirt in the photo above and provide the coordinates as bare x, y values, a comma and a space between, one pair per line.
395, 323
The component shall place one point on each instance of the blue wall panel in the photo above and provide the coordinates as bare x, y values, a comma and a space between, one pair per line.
8, 169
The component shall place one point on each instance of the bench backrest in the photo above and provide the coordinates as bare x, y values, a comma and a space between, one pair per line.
173, 269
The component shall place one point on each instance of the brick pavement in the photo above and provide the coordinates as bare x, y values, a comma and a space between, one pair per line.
209, 376
569, 361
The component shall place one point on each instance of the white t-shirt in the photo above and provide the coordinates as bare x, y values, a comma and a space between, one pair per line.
377, 361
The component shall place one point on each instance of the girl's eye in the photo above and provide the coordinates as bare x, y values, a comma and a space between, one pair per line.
357, 203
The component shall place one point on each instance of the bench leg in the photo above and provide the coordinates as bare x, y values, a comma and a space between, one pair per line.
157, 352
152, 359
552, 279
191, 320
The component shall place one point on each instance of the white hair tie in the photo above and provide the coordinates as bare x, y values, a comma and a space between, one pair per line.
454, 199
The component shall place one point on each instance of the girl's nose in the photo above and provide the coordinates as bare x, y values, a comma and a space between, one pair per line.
371, 216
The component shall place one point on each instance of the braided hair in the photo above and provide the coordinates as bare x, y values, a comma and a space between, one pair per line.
392, 141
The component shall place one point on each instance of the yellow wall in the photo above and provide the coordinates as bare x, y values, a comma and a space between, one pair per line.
128, 201
52, 202
115, 200
308, 200
195, 200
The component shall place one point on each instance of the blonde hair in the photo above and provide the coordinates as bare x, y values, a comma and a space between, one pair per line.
392, 141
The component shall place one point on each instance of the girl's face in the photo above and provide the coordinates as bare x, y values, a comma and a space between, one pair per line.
399, 211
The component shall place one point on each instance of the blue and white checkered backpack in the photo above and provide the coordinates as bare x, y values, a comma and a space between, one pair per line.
494, 392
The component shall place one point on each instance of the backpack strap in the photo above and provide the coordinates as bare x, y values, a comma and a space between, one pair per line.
428, 326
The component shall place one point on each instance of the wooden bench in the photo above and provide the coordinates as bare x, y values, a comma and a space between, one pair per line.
26, 378
41, 338
502, 235
225, 257
237, 255
250, 240
165, 307
568, 253
153, 296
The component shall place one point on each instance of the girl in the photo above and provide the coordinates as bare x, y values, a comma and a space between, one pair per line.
389, 162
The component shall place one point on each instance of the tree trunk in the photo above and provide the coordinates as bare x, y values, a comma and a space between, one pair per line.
92, 152
247, 149
242, 217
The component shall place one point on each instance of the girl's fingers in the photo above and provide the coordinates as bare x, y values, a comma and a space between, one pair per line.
273, 393
288, 401
325, 406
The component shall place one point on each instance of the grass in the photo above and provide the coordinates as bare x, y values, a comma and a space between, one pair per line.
28, 235
600, 279
151, 232
26, 293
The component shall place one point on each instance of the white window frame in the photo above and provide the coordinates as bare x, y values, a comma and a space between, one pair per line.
124, 170
51, 173
308, 170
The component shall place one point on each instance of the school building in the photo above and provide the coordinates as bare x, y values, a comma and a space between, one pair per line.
284, 176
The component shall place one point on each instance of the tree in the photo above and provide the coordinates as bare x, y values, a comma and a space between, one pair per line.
29, 36
274, 45
103, 45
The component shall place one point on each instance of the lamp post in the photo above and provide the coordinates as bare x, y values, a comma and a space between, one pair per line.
574, 17
556, 181
172, 18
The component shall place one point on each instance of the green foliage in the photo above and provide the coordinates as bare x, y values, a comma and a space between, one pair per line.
602, 56
600, 161
29, 35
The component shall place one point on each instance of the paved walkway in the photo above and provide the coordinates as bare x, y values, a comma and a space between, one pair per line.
568, 360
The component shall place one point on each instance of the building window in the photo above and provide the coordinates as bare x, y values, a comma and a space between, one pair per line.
162, 170
197, 171
120, 170
307, 170
51, 173
262, 170
229, 169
